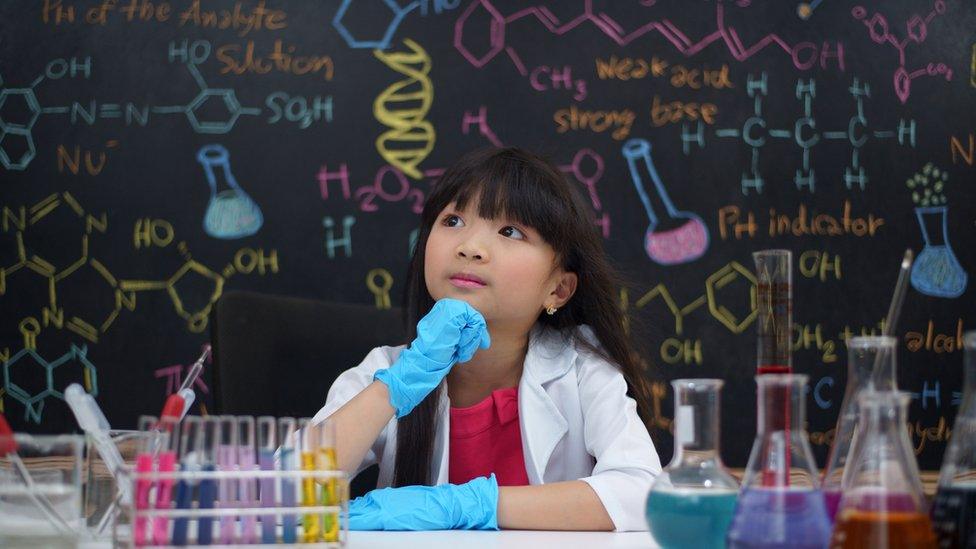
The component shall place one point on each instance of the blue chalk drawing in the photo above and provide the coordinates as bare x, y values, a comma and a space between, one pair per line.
936, 271
231, 213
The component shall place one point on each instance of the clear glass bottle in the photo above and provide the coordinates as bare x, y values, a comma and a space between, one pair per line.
691, 502
954, 509
774, 311
870, 365
882, 505
780, 504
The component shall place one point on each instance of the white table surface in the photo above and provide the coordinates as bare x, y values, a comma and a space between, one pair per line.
464, 539
505, 539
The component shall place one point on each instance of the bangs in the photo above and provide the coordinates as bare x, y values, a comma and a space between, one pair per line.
506, 186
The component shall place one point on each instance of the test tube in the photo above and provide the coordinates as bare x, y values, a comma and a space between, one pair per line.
170, 429
144, 464
191, 439
774, 329
246, 463
210, 438
227, 461
774, 311
307, 446
267, 442
287, 434
328, 461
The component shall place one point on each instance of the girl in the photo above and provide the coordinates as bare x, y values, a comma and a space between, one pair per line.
518, 396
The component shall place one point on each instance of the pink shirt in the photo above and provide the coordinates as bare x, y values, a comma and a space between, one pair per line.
486, 438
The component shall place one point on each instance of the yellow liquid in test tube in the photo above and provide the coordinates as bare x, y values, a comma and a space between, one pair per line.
311, 521
330, 494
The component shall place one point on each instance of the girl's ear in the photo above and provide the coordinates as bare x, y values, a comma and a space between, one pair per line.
565, 288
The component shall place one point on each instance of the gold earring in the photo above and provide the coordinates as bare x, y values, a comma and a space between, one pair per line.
550, 311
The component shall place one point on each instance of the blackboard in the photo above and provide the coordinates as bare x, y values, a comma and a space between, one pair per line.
158, 153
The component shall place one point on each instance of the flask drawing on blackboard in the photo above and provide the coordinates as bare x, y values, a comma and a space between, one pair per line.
231, 213
680, 236
937, 272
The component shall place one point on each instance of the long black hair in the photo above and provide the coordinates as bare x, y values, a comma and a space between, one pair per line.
527, 188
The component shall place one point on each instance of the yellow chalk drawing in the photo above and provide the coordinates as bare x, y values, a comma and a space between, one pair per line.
381, 290
246, 261
410, 138
731, 272
35, 256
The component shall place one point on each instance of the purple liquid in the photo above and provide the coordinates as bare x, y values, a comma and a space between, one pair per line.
227, 491
780, 518
248, 495
832, 497
266, 459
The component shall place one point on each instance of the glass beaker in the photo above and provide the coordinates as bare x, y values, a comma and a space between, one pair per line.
40, 491
774, 311
691, 502
231, 213
870, 365
882, 504
954, 508
937, 272
780, 504
680, 236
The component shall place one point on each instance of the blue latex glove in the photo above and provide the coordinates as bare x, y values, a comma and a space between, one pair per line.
450, 333
469, 506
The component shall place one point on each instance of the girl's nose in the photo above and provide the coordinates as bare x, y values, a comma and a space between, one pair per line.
469, 250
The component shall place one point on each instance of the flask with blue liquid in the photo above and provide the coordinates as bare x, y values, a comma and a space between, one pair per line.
691, 502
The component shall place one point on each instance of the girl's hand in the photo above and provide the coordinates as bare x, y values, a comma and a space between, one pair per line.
469, 506
450, 333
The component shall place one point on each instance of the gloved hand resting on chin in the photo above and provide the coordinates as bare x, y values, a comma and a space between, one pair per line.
469, 506
450, 333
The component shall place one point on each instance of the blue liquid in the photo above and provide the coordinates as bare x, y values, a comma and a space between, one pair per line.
690, 518
790, 519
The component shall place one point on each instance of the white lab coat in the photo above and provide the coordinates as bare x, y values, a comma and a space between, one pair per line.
576, 419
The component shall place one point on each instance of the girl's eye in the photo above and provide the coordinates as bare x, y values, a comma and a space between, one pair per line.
451, 220
512, 232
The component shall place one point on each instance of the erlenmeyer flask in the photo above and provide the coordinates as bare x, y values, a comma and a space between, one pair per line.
870, 365
882, 505
691, 502
954, 509
780, 504
231, 213
680, 236
937, 272
774, 311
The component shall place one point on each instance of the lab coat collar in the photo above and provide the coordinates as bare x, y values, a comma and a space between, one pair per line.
549, 357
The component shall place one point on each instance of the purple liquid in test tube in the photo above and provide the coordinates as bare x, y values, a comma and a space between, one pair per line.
287, 427
227, 488
267, 442
246, 463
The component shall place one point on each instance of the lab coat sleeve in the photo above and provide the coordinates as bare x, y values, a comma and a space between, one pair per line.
626, 460
349, 384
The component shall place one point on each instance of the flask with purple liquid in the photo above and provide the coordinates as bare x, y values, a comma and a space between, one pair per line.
781, 504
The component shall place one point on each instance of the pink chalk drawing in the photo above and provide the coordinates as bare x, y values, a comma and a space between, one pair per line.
916, 29
805, 55
174, 377
390, 185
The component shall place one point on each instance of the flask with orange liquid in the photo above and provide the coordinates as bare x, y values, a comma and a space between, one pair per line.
882, 505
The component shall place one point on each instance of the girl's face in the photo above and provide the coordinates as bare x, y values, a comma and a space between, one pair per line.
501, 268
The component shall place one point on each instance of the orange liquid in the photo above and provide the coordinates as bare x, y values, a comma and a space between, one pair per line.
856, 529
